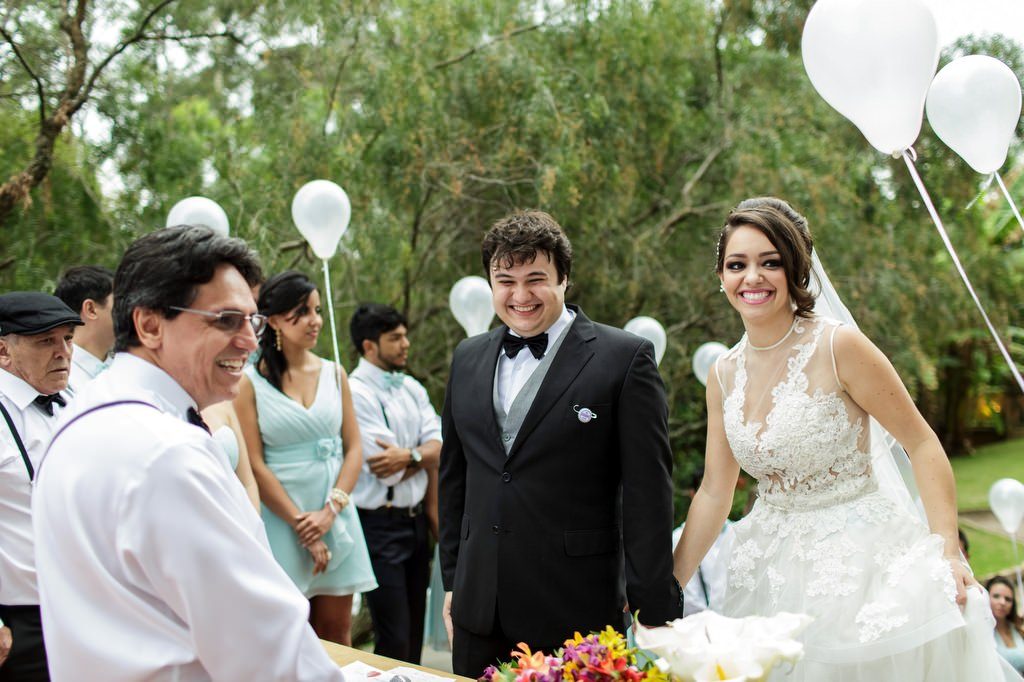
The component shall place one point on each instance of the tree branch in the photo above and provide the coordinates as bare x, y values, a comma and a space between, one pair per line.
140, 32
332, 97
185, 37
687, 207
40, 90
483, 46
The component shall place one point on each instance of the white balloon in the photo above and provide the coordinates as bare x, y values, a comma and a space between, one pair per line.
471, 304
321, 211
973, 106
872, 61
199, 211
704, 358
650, 329
1006, 499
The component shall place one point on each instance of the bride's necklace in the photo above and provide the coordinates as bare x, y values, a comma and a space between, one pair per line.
777, 343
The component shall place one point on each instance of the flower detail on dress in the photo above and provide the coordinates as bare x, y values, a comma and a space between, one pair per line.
776, 581
743, 563
327, 448
943, 573
877, 618
833, 574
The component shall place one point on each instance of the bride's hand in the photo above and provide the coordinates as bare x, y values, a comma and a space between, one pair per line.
963, 578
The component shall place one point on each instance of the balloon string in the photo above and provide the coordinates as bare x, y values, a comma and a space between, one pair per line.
1013, 206
960, 268
330, 308
981, 192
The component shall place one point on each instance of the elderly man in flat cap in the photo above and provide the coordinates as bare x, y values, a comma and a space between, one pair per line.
35, 355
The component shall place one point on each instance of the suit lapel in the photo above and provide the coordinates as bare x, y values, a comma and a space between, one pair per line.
482, 386
570, 360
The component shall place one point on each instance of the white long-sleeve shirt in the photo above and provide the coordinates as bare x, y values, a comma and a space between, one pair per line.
17, 562
401, 416
152, 562
84, 368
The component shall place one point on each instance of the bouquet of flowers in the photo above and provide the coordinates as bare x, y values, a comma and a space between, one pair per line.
704, 647
599, 657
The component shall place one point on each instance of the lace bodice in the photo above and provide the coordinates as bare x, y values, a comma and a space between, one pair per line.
789, 422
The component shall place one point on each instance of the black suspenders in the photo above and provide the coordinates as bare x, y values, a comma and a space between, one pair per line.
17, 439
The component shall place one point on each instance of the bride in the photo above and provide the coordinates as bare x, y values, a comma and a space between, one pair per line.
834, 533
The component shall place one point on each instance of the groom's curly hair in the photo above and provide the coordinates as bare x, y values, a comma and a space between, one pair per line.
518, 237
787, 230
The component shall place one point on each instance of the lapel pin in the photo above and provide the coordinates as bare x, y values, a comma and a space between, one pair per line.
584, 414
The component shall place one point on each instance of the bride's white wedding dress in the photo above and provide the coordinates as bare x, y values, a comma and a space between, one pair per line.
825, 540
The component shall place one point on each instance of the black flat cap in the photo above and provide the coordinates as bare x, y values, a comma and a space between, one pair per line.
33, 312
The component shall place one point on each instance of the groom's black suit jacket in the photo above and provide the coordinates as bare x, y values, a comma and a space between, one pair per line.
579, 515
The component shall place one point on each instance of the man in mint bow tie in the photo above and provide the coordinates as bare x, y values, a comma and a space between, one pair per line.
89, 291
396, 493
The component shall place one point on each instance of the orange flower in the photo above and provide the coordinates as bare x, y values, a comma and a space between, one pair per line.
529, 661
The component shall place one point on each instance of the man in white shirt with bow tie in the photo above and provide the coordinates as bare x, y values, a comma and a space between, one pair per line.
152, 562
401, 435
35, 357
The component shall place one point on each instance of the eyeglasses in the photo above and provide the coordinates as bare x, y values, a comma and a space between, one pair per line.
229, 321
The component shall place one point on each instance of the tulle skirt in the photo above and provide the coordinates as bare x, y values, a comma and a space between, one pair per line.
881, 594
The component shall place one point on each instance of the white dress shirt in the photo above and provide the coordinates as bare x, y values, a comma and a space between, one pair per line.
84, 367
153, 564
402, 416
17, 561
513, 373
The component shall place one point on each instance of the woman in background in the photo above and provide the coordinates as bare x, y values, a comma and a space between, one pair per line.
224, 426
299, 425
1008, 633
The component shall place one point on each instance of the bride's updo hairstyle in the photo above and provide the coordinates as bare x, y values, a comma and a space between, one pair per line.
281, 293
787, 231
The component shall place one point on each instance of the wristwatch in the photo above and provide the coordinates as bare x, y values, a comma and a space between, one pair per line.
415, 457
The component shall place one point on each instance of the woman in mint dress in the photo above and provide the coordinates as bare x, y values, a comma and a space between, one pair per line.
303, 440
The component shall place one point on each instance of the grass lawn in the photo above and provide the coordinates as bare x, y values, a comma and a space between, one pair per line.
976, 473
991, 552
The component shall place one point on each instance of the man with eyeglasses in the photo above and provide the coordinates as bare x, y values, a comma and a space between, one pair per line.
152, 562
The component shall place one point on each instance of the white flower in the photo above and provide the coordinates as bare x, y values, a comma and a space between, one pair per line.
708, 646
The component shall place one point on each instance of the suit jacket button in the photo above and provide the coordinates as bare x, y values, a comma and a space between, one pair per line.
506, 477
494, 529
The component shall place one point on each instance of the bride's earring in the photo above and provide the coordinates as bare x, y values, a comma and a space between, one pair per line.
721, 288
277, 339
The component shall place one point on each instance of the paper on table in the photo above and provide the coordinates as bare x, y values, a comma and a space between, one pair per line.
415, 675
357, 671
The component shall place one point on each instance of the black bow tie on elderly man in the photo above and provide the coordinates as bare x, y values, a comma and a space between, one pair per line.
512, 344
45, 402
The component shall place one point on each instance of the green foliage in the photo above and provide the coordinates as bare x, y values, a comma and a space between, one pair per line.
636, 124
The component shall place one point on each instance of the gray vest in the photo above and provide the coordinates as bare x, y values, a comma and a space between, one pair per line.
511, 423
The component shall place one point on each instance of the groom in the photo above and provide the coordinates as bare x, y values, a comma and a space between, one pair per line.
555, 478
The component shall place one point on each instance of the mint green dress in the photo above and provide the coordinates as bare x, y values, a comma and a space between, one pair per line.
303, 448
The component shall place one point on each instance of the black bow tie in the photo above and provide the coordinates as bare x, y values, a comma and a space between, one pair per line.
195, 418
513, 344
45, 402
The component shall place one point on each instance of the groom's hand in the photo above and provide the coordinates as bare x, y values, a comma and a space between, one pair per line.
446, 613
